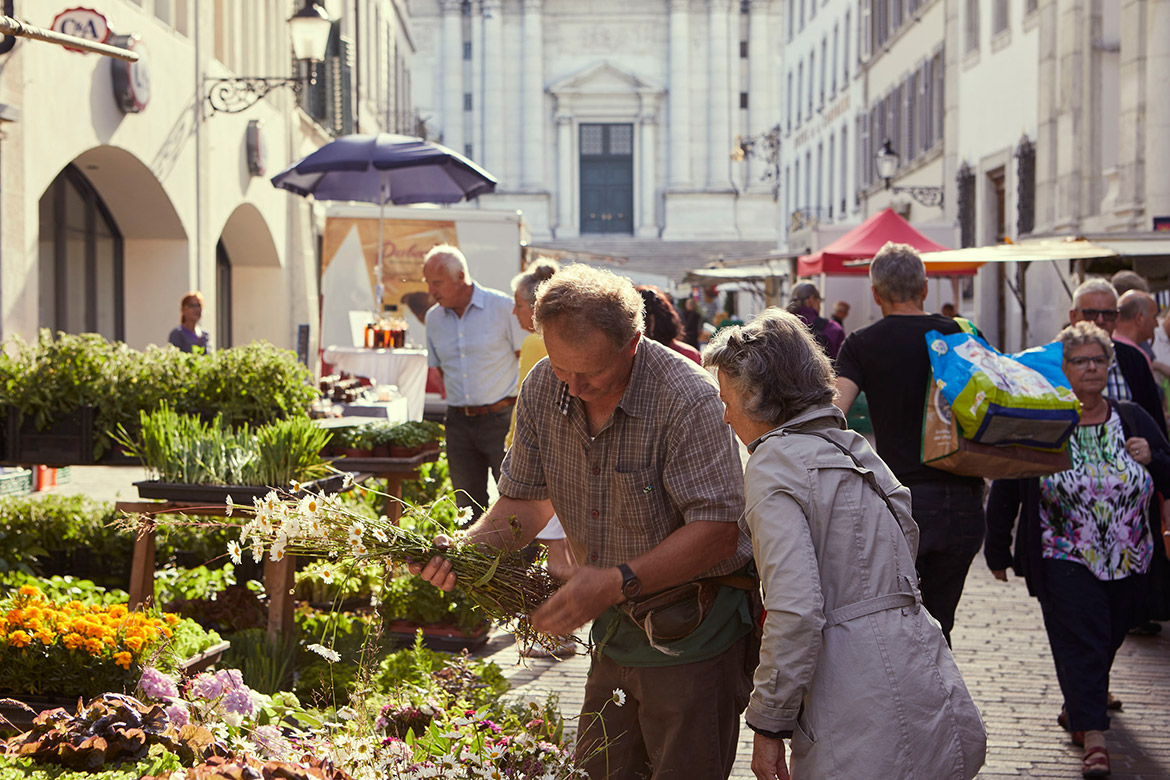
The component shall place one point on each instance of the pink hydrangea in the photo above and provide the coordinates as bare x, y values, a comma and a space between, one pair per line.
206, 686
177, 713
238, 701
156, 685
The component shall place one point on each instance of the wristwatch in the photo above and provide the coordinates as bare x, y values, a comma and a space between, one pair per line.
631, 585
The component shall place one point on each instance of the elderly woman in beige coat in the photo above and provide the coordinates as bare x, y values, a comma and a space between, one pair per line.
852, 669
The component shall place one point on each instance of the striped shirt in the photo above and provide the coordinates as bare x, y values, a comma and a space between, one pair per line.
665, 459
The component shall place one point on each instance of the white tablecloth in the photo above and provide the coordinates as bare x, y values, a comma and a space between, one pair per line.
406, 368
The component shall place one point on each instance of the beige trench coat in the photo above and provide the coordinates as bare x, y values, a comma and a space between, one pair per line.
851, 662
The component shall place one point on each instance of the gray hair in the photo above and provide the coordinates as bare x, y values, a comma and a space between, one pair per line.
776, 363
1134, 303
801, 293
1083, 333
897, 273
585, 298
450, 260
1094, 285
526, 282
1124, 281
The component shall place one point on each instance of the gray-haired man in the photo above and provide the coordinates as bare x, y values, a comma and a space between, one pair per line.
888, 361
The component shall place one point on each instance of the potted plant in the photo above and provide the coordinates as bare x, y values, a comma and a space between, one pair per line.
448, 620
407, 439
353, 442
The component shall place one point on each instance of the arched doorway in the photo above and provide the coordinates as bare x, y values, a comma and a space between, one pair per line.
81, 256
112, 255
251, 293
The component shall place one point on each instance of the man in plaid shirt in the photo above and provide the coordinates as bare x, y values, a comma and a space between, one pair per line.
624, 439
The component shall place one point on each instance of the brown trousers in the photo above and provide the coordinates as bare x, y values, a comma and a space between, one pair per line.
677, 723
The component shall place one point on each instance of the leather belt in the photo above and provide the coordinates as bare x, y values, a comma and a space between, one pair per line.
475, 411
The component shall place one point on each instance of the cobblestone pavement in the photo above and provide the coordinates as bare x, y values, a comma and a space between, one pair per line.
1002, 650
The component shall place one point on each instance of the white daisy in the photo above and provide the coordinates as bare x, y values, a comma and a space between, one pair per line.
379, 534
330, 655
234, 551
356, 532
228, 507
619, 697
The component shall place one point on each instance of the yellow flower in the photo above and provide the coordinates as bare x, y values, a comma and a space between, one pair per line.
45, 638
19, 639
29, 590
74, 641
135, 643
93, 646
122, 659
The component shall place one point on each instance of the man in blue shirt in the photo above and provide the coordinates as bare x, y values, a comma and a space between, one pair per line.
474, 340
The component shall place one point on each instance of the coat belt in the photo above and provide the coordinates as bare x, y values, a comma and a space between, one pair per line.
868, 607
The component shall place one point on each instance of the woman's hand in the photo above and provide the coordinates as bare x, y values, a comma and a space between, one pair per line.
768, 761
1138, 449
437, 570
999, 574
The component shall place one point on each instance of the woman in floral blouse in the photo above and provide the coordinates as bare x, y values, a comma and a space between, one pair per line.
1085, 537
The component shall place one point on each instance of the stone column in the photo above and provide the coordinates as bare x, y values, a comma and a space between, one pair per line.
719, 97
680, 95
493, 88
565, 185
1157, 32
762, 114
648, 187
451, 87
532, 85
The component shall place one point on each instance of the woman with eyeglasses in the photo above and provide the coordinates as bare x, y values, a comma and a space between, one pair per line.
1084, 539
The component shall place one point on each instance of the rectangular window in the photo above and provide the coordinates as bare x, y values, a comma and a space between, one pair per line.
999, 17
743, 50
836, 52
466, 101
467, 152
830, 178
743, 100
845, 52
791, 19
824, 72
808, 178
844, 167
971, 28
799, 91
895, 15
1031, 5
819, 202
801, 27
164, 11
939, 103
812, 74
788, 97
861, 167
467, 50
865, 31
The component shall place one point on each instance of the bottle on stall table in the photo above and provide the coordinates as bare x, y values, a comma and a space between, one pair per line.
369, 337
397, 328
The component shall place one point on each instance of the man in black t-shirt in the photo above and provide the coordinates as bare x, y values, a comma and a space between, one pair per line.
888, 361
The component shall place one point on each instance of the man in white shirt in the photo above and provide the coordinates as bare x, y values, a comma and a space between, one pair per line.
474, 340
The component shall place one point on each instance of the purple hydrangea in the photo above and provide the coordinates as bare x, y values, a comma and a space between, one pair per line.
177, 714
238, 701
206, 686
156, 685
268, 739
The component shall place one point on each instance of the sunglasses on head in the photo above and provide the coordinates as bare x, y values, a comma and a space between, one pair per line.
1106, 314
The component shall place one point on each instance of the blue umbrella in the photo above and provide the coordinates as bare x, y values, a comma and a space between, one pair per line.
385, 168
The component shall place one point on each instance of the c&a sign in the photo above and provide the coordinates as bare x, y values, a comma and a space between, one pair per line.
82, 23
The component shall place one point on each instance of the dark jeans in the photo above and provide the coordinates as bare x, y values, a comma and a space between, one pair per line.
950, 533
677, 723
475, 445
1087, 620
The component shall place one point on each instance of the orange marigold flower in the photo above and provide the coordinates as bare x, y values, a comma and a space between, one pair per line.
171, 618
19, 639
45, 637
122, 659
118, 611
135, 643
29, 590
74, 641
167, 632
93, 646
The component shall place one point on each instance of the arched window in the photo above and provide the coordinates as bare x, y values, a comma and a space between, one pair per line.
80, 273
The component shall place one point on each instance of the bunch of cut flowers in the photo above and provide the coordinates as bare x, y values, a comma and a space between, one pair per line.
72, 648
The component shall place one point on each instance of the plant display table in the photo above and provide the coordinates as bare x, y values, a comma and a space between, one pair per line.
394, 470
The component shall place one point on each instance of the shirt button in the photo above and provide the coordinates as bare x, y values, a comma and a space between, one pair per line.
595, 513
596, 471
593, 557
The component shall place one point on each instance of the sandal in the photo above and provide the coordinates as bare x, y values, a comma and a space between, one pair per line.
1095, 762
1112, 703
1078, 737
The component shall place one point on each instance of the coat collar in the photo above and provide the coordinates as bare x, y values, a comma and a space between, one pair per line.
827, 416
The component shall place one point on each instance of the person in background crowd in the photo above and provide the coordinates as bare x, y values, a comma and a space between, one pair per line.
888, 362
663, 323
1137, 319
1084, 539
805, 303
1161, 364
948, 310
474, 340
1124, 281
1130, 379
189, 337
560, 557
626, 442
845, 640
692, 322
840, 312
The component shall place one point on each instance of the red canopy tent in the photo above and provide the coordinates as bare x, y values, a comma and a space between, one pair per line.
864, 241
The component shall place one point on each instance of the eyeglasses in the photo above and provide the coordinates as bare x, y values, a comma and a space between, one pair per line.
1109, 315
1083, 361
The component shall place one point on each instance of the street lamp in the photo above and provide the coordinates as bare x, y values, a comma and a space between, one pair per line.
886, 160
766, 146
309, 29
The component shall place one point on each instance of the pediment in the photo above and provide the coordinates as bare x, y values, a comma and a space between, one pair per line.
605, 78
